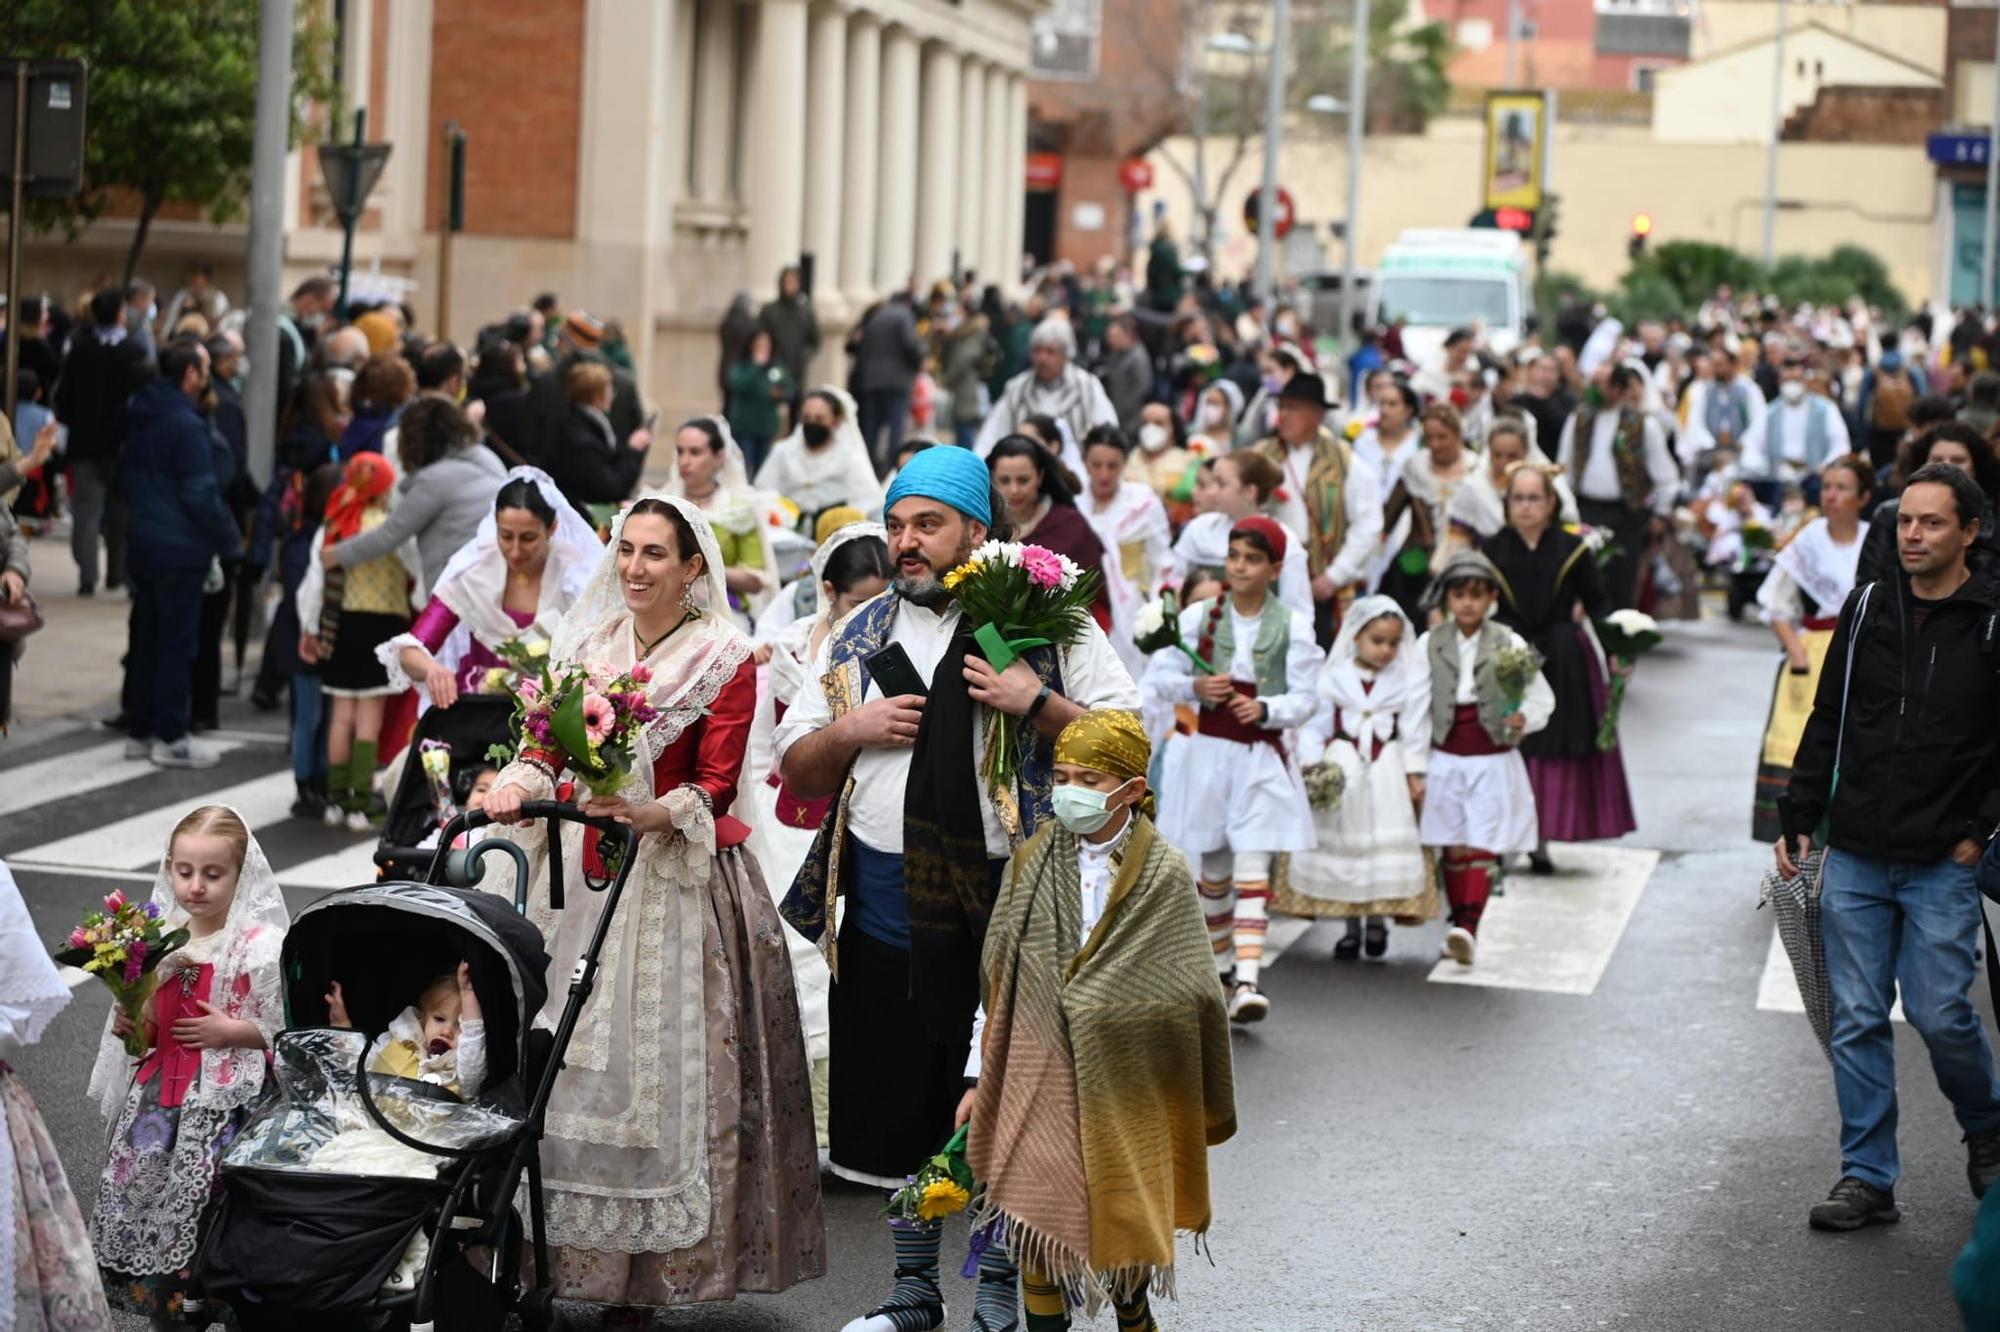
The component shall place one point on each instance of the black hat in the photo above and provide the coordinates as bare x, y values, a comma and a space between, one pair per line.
1305, 387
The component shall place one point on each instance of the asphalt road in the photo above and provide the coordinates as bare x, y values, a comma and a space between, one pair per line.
1615, 1135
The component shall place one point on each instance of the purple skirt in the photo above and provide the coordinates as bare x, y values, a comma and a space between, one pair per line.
1582, 798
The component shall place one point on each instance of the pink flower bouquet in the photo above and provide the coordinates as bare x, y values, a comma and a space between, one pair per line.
583, 717
123, 945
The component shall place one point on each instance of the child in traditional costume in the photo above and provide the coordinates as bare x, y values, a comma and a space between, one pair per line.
344, 615
218, 1005
1105, 1070
1231, 794
1478, 803
1373, 725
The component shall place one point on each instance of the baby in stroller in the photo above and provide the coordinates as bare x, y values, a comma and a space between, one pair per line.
441, 1039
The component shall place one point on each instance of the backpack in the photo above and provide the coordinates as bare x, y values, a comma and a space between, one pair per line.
1891, 407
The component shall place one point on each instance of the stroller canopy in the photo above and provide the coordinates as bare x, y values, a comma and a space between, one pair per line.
385, 942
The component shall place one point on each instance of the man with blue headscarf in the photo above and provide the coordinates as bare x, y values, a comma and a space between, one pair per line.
916, 842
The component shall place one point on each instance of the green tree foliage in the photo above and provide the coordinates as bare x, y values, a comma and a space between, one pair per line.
172, 98
1406, 64
1675, 278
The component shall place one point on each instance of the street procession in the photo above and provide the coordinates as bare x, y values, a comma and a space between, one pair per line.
999, 664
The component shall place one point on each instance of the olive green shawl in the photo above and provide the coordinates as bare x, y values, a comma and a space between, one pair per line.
1106, 1071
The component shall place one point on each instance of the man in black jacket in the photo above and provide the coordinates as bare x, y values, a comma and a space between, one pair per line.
104, 368
1908, 719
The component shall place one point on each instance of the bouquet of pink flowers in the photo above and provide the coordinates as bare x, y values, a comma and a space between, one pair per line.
583, 717
122, 945
1018, 597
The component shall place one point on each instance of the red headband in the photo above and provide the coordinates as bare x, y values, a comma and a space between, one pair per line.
1268, 528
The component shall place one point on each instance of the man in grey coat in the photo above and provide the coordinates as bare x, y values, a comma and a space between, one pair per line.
885, 367
1127, 372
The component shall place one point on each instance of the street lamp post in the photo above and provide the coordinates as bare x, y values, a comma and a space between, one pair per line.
1274, 141
1992, 180
1777, 132
351, 170
1357, 125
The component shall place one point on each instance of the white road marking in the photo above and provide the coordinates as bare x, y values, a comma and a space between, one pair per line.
1778, 987
20, 866
73, 976
72, 773
343, 869
1557, 934
137, 842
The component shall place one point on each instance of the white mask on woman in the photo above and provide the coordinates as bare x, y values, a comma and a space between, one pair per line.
1153, 437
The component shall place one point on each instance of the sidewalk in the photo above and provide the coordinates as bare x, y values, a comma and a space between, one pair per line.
72, 671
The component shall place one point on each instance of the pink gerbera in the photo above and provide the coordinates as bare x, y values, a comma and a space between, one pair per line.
1044, 567
527, 689
598, 717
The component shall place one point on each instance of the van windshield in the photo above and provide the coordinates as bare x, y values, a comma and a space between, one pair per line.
1445, 302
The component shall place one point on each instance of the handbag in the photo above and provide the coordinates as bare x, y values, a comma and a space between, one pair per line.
19, 618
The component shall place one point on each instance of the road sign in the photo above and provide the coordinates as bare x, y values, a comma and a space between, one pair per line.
1136, 175
1287, 212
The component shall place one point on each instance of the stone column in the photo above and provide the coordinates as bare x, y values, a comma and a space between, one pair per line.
895, 248
825, 134
408, 122
862, 133
993, 197
680, 122
776, 185
714, 98
971, 172
1014, 201
937, 218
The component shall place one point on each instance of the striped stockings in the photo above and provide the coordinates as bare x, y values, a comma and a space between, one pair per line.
1468, 883
1049, 1312
1235, 892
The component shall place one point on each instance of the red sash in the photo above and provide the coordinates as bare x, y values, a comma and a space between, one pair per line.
1221, 723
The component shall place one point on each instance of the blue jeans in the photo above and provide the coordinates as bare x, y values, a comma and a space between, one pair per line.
159, 666
308, 728
965, 434
1890, 925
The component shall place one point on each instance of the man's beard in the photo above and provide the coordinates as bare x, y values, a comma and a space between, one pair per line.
925, 590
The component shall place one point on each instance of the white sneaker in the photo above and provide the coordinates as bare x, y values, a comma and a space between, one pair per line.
1248, 1004
1460, 946
185, 752
357, 821
333, 815
138, 749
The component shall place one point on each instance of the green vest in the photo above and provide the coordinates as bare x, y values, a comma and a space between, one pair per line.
1274, 640
1485, 687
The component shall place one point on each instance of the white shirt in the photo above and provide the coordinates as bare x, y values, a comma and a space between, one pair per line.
1361, 497
1204, 543
1792, 424
1537, 706
1093, 864
1092, 677
1170, 676
1600, 468
816, 479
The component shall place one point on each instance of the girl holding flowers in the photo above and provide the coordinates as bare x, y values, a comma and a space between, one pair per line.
1550, 593
174, 1110
1485, 694
1374, 726
1232, 794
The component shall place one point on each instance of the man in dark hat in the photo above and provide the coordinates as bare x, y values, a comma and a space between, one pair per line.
1332, 500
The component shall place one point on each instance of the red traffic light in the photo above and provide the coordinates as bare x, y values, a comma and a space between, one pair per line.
1642, 224
1513, 219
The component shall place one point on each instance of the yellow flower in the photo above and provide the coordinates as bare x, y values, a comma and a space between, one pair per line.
1354, 429
960, 574
941, 1198
495, 681
539, 648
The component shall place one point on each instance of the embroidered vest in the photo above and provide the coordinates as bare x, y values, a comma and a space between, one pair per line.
1274, 639
1325, 499
1485, 686
1628, 453
810, 903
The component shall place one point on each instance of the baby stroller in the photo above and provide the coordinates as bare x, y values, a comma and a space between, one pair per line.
413, 1225
470, 727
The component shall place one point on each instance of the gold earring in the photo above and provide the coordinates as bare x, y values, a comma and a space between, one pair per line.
687, 596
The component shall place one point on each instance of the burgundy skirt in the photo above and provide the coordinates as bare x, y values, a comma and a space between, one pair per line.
1583, 797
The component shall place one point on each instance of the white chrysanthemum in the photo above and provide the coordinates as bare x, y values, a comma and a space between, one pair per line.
1632, 623
1152, 617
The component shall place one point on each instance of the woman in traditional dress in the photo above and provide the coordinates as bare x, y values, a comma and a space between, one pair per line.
49, 1281
1423, 494
529, 560
851, 566
1216, 414
1477, 508
1546, 575
1042, 509
1801, 599
679, 1165
1163, 462
823, 462
1131, 523
710, 474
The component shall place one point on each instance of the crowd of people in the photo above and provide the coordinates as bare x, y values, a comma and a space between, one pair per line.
1346, 658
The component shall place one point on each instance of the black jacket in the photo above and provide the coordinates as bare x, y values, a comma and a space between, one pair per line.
1878, 545
588, 467
1920, 766
90, 398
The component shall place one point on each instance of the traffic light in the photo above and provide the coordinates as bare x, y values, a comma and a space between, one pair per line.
1545, 228
1642, 228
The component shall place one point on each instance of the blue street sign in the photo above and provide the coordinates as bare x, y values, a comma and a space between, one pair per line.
1956, 149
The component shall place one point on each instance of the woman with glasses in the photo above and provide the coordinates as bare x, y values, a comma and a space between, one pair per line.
1550, 593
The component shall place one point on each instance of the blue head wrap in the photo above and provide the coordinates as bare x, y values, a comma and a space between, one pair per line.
948, 473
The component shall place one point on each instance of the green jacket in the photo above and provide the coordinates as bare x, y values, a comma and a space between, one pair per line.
753, 410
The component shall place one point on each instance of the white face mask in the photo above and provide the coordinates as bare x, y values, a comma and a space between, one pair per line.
1082, 810
1153, 437
1793, 391
1214, 414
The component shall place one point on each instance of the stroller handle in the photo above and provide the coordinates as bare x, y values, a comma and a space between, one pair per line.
622, 836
